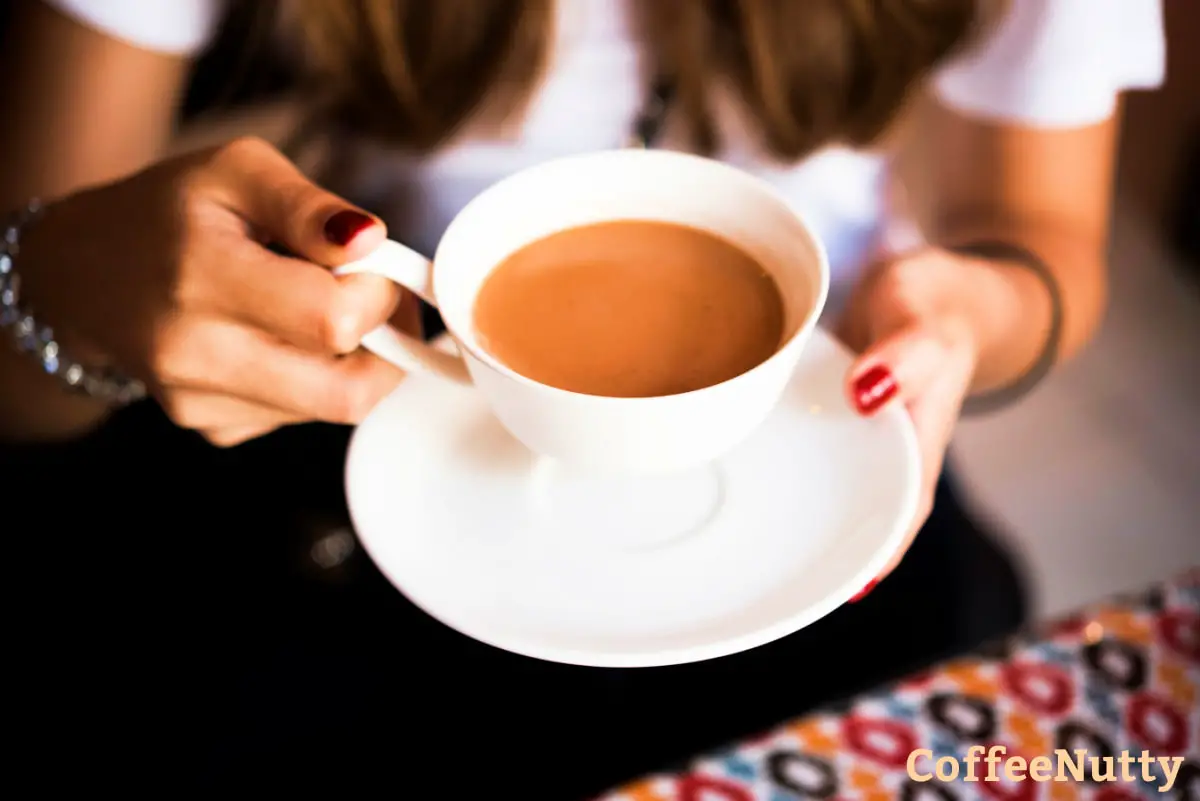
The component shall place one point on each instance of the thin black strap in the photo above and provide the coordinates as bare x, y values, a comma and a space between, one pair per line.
1005, 396
647, 129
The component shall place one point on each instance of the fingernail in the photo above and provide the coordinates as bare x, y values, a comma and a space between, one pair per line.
865, 591
341, 228
874, 388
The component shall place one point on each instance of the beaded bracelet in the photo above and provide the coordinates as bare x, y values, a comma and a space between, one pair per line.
37, 340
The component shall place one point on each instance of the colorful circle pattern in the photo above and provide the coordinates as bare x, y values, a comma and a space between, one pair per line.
1119, 678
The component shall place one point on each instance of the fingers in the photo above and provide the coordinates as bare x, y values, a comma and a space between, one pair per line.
300, 302
407, 316
222, 358
341, 390
262, 333
918, 348
292, 294
270, 193
902, 365
205, 411
231, 437
227, 421
929, 369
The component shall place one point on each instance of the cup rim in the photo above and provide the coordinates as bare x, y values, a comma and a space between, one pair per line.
467, 344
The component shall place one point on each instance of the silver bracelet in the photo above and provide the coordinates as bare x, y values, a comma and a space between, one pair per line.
37, 340
1005, 396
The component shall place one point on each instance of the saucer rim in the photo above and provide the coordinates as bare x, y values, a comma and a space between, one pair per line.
726, 646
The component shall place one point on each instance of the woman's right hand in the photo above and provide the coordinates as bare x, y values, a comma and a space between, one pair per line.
167, 276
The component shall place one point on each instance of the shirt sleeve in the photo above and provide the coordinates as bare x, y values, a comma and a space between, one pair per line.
1058, 63
177, 27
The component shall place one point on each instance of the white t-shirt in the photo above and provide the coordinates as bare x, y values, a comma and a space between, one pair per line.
1051, 63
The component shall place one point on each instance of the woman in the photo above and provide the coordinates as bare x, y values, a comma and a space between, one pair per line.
203, 634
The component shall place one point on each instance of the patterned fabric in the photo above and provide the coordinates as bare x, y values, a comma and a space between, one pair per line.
1122, 677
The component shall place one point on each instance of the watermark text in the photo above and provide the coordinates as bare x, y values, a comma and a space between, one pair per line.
995, 764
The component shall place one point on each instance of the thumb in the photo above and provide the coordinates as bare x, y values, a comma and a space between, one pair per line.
899, 366
271, 194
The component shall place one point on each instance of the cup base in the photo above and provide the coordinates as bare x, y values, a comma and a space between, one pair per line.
625, 513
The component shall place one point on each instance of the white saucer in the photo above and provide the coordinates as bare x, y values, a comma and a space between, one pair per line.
518, 553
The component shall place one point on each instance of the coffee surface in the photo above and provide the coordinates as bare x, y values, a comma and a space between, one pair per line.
630, 308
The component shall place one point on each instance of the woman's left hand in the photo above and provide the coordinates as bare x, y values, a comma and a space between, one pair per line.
917, 320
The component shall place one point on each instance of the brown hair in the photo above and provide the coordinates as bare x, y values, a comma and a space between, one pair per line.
411, 72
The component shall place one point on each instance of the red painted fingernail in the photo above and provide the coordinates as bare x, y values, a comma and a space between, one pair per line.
865, 591
341, 228
874, 388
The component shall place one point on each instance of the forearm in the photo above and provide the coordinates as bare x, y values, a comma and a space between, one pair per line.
1047, 191
82, 109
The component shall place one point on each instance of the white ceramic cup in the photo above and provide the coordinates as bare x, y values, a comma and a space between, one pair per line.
613, 435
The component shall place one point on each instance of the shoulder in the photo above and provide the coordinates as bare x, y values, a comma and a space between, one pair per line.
1058, 62
180, 27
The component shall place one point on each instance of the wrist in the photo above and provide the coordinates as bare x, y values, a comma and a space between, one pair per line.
41, 397
34, 406
1010, 313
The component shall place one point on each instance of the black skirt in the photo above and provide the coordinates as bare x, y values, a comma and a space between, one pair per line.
168, 622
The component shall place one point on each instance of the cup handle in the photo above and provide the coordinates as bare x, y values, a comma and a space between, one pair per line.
412, 271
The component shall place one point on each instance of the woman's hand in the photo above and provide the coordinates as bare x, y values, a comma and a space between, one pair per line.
921, 322
168, 277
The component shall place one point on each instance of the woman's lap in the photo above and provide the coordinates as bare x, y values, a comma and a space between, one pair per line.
217, 642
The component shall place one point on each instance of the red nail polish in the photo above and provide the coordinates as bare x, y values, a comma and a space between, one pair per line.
865, 591
874, 388
341, 228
